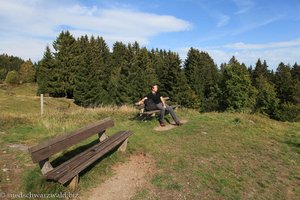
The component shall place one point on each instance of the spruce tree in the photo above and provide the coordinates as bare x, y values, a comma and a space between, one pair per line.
46, 76
261, 69
237, 91
9, 63
284, 83
174, 82
88, 88
119, 85
202, 75
142, 73
266, 101
65, 66
295, 71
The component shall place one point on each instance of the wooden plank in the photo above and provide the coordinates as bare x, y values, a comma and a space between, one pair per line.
156, 111
99, 154
78, 160
57, 144
68, 165
78, 169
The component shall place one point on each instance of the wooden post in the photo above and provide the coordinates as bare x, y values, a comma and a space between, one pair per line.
123, 146
73, 183
42, 104
45, 166
102, 136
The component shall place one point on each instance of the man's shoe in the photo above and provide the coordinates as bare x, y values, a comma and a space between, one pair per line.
178, 123
162, 124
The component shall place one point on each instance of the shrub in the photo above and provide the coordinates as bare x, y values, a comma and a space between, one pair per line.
12, 77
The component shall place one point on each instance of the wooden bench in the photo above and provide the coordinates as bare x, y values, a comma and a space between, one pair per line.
68, 171
143, 114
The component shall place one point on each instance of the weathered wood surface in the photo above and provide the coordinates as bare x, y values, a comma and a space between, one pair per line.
66, 171
57, 144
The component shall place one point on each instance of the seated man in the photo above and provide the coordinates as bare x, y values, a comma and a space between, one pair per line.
161, 105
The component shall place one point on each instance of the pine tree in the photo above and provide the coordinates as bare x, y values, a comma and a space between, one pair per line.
119, 85
46, 78
261, 69
266, 101
295, 71
88, 88
237, 91
9, 63
284, 83
202, 76
142, 73
174, 82
65, 70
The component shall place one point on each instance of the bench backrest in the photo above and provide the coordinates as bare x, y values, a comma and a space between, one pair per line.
45, 150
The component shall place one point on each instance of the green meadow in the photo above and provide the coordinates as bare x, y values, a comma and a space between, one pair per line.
212, 156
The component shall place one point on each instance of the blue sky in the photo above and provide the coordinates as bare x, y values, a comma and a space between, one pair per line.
246, 29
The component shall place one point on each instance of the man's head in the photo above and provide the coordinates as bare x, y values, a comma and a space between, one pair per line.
154, 88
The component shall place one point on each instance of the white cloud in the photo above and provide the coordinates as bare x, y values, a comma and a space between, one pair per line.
224, 19
256, 24
25, 21
283, 44
244, 6
274, 53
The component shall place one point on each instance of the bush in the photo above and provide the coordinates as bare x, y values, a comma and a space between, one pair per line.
288, 112
12, 77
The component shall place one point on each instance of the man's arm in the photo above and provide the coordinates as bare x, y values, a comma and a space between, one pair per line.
141, 101
163, 101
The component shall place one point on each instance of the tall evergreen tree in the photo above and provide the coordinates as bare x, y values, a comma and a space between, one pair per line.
266, 101
237, 90
65, 66
284, 83
88, 88
174, 82
119, 85
9, 63
202, 76
261, 69
46, 76
295, 71
142, 73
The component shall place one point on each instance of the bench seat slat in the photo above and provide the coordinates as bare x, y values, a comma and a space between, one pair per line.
67, 165
57, 144
78, 169
157, 111
68, 170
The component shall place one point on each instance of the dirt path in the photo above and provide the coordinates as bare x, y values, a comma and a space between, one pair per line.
168, 126
129, 178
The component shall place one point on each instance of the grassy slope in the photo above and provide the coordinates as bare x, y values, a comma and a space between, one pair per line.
213, 156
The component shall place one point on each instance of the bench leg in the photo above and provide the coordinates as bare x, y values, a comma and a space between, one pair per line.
45, 166
123, 146
102, 136
74, 182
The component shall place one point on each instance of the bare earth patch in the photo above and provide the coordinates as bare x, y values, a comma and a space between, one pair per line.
11, 168
128, 179
168, 126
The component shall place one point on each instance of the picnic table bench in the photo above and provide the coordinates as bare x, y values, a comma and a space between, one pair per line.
68, 171
144, 114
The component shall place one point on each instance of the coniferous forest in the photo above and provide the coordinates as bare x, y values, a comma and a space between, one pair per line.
86, 70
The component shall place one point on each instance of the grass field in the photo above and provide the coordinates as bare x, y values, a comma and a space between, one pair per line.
213, 156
